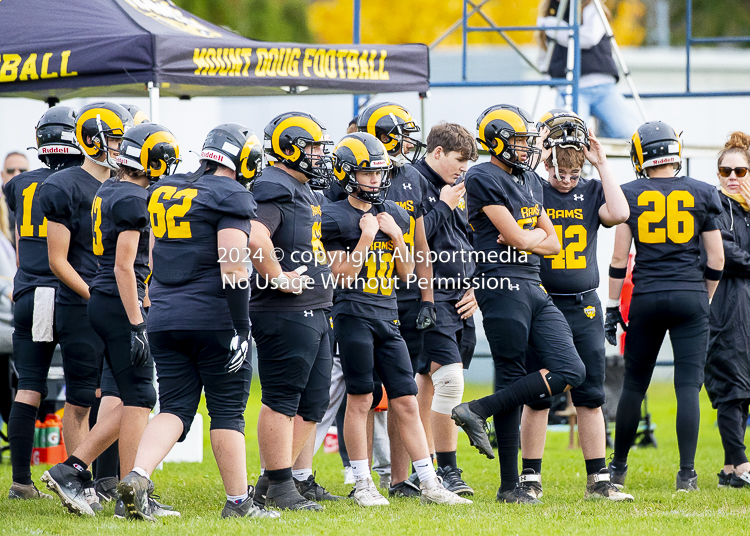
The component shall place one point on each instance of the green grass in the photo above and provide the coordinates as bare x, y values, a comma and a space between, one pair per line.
196, 490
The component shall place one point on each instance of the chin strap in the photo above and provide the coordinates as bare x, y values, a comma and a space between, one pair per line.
554, 163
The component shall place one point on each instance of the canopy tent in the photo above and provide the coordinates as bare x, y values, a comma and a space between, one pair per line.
54, 50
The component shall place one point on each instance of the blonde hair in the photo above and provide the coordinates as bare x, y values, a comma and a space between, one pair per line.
567, 158
738, 143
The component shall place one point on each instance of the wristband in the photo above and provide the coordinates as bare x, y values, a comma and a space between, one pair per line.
711, 274
617, 273
613, 303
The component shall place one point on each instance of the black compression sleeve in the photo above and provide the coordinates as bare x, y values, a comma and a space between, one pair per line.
238, 300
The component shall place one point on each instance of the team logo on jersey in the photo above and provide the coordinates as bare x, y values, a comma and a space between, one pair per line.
577, 197
462, 203
590, 311
406, 185
316, 210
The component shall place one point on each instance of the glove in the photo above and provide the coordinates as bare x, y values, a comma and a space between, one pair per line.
139, 349
610, 325
238, 350
427, 317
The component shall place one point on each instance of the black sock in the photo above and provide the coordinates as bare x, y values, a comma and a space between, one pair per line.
595, 465
507, 425
626, 425
108, 462
522, 391
277, 476
93, 415
21, 428
447, 459
532, 463
688, 423
74, 462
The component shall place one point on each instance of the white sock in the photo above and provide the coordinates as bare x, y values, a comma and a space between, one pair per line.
237, 499
141, 472
360, 469
301, 474
425, 471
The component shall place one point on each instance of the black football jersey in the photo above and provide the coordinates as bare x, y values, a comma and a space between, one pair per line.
66, 198
33, 263
119, 206
186, 287
375, 285
297, 238
407, 191
575, 215
666, 219
522, 195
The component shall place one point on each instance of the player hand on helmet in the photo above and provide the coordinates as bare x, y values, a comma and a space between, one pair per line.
543, 133
239, 348
369, 225
139, 349
595, 154
389, 226
467, 305
427, 317
451, 195
614, 317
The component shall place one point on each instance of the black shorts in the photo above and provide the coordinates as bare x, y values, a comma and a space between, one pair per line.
190, 361
370, 346
294, 361
444, 344
134, 384
31, 359
685, 315
82, 353
408, 311
585, 317
108, 383
525, 316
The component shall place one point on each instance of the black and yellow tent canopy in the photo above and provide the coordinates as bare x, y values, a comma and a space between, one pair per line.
53, 49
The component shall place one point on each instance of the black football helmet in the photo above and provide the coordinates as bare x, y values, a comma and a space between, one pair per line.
396, 123
236, 147
150, 148
139, 116
97, 122
498, 131
56, 135
361, 151
295, 132
653, 144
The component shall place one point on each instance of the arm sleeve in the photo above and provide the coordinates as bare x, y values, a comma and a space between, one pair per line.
435, 218
55, 204
270, 215
130, 214
238, 300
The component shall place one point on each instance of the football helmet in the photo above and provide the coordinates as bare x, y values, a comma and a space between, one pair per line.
56, 134
653, 144
236, 147
361, 151
502, 124
98, 122
150, 148
295, 132
566, 129
139, 116
396, 123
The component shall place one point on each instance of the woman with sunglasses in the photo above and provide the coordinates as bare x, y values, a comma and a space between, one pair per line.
728, 362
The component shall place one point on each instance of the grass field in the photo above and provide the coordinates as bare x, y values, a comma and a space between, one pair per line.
195, 490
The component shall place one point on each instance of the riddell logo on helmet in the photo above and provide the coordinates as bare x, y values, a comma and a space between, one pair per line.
218, 157
667, 160
55, 150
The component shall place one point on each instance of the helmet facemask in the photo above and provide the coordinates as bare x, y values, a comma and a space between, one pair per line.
375, 195
316, 167
101, 142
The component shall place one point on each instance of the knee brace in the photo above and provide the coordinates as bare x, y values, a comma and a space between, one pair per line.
448, 383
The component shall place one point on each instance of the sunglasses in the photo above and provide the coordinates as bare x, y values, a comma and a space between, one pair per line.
12, 170
739, 172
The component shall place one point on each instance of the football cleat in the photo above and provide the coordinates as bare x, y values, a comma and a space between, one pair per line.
366, 494
724, 479
452, 481
475, 427
617, 475
517, 495
260, 490
106, 488
68, 483
89, 491
599, 486
404, 489
247, 508
687, 484
531, 482
348, 475
739, 481
285, 496
439, 495
313, 491
26, 492
134, 490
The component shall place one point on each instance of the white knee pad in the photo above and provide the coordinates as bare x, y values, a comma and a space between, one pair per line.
448, 382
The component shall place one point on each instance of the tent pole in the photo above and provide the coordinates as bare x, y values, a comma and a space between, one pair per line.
153, 96
355, 40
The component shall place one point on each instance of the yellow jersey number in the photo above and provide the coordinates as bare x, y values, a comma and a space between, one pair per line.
379, 273
96, 219
666, 206
568, 257
164, 220
317, 245
26, 228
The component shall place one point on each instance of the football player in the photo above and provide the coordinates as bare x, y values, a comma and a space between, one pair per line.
34, 288
449, 347
66, 198
505, 195
365, 238
198, 325
289, 298
577, 207
669, 216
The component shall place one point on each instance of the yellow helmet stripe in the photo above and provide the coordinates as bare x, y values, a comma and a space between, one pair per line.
378, 114
295, 121
509, 116
158, 137
139, 117
546, 117
110, 118
357, 147
638, 149
251, 142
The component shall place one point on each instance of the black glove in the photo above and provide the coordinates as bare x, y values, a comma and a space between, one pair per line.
427, 317
238, 350
610, 325
139, 350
